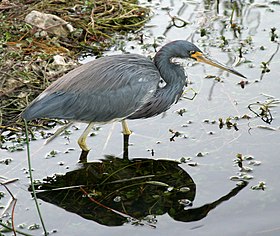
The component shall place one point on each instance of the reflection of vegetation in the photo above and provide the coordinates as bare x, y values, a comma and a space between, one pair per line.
116, 191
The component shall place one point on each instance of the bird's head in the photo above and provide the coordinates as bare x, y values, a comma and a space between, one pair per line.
200, 57
185, 49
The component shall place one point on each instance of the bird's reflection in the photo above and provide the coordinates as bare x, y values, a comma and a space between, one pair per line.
116, 191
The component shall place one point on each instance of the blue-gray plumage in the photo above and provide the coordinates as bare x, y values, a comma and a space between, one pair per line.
105, 89
118, 87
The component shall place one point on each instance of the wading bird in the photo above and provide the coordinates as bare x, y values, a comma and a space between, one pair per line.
118, 87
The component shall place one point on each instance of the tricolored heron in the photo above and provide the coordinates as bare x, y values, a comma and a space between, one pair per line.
118, 87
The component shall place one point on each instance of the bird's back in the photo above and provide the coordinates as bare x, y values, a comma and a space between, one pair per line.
102, 90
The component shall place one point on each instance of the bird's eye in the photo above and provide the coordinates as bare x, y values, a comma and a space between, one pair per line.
192, 55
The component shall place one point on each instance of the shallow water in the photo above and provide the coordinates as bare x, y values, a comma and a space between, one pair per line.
249, 212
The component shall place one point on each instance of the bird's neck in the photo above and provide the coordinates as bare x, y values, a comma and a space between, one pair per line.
173, 74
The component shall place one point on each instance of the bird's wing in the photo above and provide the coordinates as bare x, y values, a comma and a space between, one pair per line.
105, 89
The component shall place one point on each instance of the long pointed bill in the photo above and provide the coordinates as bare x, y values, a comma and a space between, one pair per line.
199, 56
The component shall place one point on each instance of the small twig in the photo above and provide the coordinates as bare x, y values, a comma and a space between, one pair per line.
175, 18
9, 128
265, 113
9, 181
58, 132
189, 98
13, 206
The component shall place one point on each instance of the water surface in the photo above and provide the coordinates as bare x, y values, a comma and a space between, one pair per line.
210, 151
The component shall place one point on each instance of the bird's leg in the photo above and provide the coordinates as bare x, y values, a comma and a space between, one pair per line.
126, 133
126, 130
82, 143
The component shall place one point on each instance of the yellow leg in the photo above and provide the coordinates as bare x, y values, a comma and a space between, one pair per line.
83, 138
126, 130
